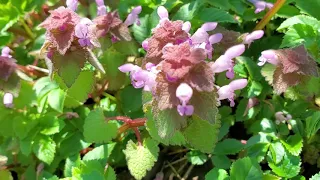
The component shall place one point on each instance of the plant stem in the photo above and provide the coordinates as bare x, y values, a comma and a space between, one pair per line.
136, 131
265, 20
27, 28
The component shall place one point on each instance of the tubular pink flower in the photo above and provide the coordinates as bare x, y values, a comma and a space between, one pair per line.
102, 10
268, 56
235, 51
260, 5
72, 4
216, 38
227, 91
133, 17
184, 93
82, 32
186, 110
209, 26
162, 12
8, 100
186, 26
6, 52
223, 63
145, 45
253, 36
100, 2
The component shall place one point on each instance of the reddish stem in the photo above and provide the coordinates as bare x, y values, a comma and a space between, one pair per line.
136, 131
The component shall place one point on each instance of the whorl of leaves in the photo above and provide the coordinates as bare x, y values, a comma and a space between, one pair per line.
295, 66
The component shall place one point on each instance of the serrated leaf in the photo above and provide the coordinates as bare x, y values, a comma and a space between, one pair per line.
72, 144
228, 147
22, 125
300, 19
197, 157
267, 71
312, 124
131, 100
215, 15
141, 159
293, 144
188, 11
110, 174
44, 148
315, 177
277, 152
56, 99
176, 139
310, 7
217, 174
289, 167
100, 152
221, 161
97, 129
245, 168
258, 151
9, 16
72, 161
79, 91
50, 124
270, 177
201, 135
298, 34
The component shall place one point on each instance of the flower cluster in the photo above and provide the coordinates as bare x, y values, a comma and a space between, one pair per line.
290, 66
261, 5
72, 38
175, 69
8, 67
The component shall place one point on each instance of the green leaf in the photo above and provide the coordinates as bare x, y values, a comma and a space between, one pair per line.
245, 168
215, 15
9, 16
97, 129
300, 19
100, 152
51, 124
131, 100
228, 147
313, 124
72, 144
298, 34
270, 177
176, 139
141, 159
201, 135
310, 7
188, 11
221, 161
148, 22
72, 161
251, 67
277, 152
258, 151
44, 148
293, 144
110, 174
56, 99
197, 157
22, 125
5, 175
79, 91
217, 174
254, 89
315, 177
289, 167
238, 6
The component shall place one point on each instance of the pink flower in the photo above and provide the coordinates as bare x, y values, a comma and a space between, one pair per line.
72, 4
225, 62
133, 17
268, 56
141, 78
84, 31
162, 13
102, 9
6, 52
227, 91
8, 100
248, 39
260, 5
186, 26
184, 93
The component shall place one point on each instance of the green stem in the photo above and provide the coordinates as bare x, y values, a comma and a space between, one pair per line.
110, 96
27, 28
265, 20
